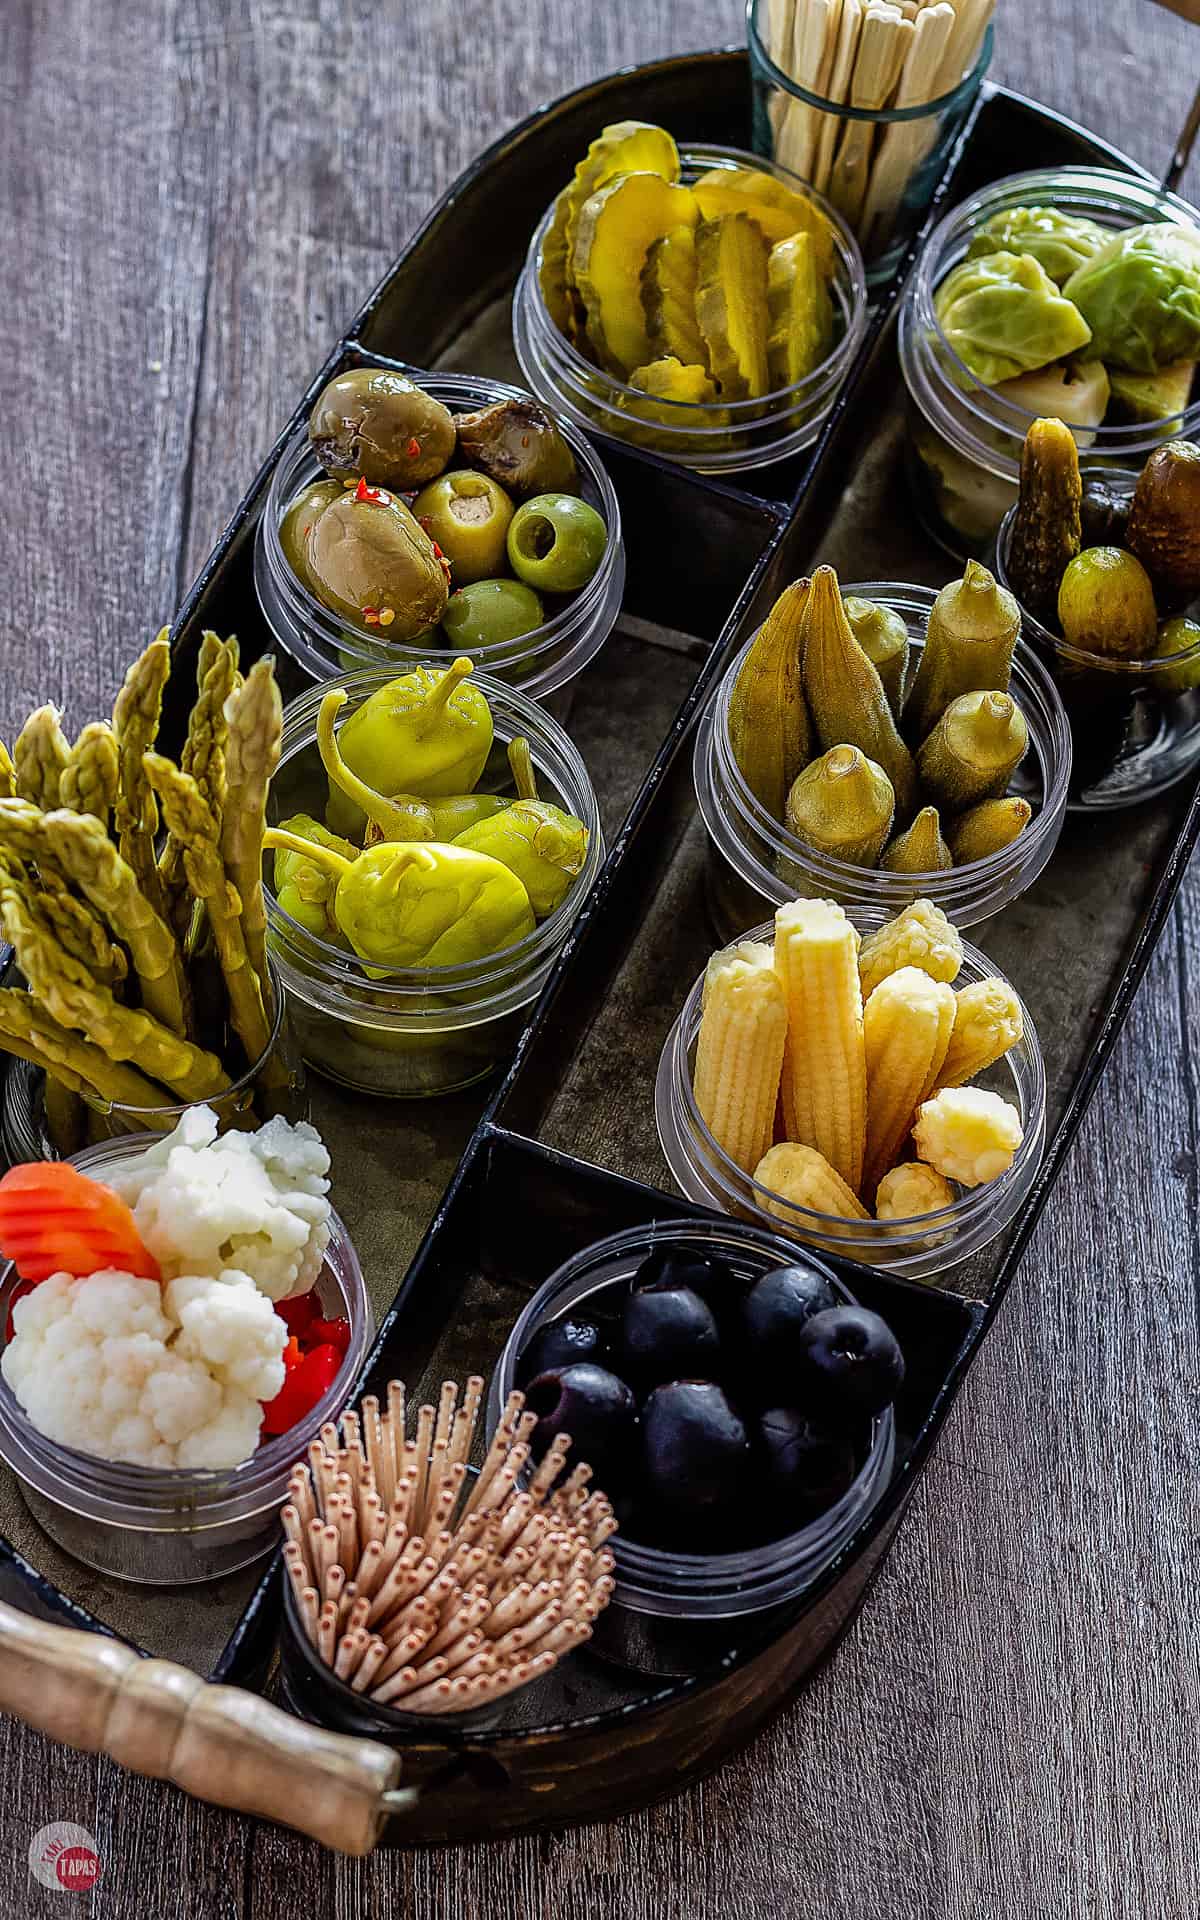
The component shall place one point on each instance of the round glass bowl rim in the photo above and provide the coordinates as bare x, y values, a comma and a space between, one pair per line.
958, 95
902, 597
525, 649
971, 1206
1146, 667
527, 953
632, 1557
691, 413
1076, 188
124, 1478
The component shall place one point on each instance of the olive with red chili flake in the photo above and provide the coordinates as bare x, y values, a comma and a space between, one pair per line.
376, 423
371, 563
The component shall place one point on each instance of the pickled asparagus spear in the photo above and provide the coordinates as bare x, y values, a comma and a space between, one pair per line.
769, 731
71, 996
203, 759
969, 640
8, 774
907, 1023
136, 716
921, 849
987, 1022
910, 1190
883, 636
40, 752
987, 829
921, 936
802, 1177
92, 774
968, 1134
845, 693
824, 1066
973, 752
80, 929
27, 1030
739, 1053
843, 805
255, 715
192, 824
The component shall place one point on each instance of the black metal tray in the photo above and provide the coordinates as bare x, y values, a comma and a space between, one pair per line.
495, 1188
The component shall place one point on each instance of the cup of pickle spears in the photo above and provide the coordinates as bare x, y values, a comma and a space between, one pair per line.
445, 836
873, 1084
886, 743
702, 302
1106, 564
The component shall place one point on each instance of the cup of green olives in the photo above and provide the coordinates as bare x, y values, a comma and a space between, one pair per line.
383, 1024
439, 511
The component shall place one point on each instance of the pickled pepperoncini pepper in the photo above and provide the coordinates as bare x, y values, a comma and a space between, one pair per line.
543, 845
427, 734
302, 887
416, 904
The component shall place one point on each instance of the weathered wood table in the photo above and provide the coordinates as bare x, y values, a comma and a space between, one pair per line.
195, 194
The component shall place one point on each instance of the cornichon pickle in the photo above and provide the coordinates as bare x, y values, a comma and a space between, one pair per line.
843, 804
973, 751
1164, 519
1045, 535
1106, 604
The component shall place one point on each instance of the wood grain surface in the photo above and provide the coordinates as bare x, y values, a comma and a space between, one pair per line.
196, 193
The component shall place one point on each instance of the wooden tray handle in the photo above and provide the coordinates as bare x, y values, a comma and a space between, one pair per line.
218, 1743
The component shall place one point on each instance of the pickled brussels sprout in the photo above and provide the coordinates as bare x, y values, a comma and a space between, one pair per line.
489, 612
370, 562
380, 425
1140, 296
1003, 315
516, 443
1058, 241
468, 516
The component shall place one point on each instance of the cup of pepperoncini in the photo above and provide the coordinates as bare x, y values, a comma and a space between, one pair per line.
433, 835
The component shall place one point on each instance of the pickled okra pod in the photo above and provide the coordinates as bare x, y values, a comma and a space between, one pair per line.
969, 641
988, 828
844, 692
973, 751
769, 731
882, 634
921, 849
843, 805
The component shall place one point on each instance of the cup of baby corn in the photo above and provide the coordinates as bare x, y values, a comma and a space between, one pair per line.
868, 1083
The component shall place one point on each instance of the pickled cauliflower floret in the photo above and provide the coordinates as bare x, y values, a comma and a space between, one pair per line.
910, 1190
968, 1134
253, 1201
126, 1369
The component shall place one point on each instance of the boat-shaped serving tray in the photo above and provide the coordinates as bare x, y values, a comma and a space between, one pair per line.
461, 1207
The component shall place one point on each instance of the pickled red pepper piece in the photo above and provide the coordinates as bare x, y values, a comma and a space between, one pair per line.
1046, 531
842, 805
53, 1219
769, 732
845, 693
307, 1379
969, 641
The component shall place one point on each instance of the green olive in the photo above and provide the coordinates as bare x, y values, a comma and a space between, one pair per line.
516, 443
370, 563
489, 612
1106, 604
468, 516
378, 424
556, 542
299, 521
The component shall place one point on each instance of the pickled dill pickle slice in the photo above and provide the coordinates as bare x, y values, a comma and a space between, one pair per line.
801, 311
562, 302
731, 304
628, 146
617, 227
669, 299
664, 381
772, 199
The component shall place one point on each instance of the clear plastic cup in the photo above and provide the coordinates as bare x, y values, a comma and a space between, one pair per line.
167, 1526
1136, 723
425, 1031
754, 863
732, 437
710, 1587
920, 1247
965, 439
539, 662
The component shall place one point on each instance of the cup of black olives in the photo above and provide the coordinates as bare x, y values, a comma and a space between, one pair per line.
732, 1398
439, 510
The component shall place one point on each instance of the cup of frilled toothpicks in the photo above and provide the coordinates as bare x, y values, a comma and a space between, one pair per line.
427, 1588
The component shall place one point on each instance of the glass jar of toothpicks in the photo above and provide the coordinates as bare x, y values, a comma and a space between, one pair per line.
422, 1587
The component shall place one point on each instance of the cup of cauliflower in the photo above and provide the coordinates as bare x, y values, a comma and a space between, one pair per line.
181, 1315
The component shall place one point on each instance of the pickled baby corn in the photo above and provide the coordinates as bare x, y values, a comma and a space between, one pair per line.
845, 693
907, 1023
968, 1134
921, 849
769, 729
802, 1177
760, 951
972, 752
921, 936
910, 1190
987, 1022
969, 640
987, 828
739, 1053
843, 804
824, 1063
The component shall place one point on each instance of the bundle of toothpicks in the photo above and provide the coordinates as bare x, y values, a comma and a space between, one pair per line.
420, 1587
874, 54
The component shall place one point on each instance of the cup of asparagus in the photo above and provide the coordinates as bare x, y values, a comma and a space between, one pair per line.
131, 893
